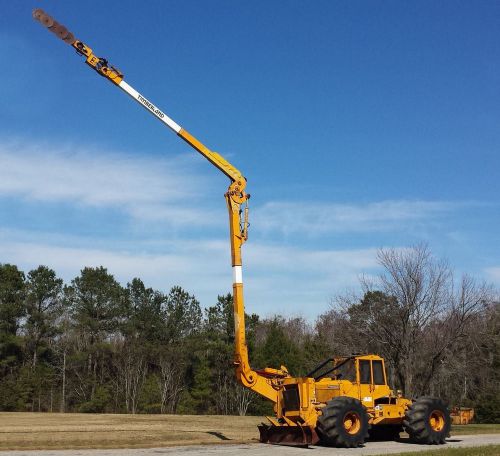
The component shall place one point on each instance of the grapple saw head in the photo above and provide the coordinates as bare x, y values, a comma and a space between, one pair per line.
57, 29
99, 64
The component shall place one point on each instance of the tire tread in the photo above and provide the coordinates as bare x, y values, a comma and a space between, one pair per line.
416, 421
328, 425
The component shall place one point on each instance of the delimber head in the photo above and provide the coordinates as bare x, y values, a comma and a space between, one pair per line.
57, 29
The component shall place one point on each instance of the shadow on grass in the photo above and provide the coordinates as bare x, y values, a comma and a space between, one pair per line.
218, 435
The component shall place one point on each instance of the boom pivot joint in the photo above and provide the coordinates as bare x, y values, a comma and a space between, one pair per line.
99, 64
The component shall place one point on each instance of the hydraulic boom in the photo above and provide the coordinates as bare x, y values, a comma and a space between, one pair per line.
236, 197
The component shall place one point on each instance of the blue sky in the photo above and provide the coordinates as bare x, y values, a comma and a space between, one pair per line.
359, 125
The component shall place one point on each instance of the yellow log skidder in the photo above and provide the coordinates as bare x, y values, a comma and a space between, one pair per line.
345, 399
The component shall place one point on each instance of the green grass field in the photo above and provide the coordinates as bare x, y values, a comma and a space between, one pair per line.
476, 429
487, 450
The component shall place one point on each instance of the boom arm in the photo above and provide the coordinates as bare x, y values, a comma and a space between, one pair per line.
235, 198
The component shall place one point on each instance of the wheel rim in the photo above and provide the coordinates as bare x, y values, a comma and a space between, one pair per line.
436, 420
352, 423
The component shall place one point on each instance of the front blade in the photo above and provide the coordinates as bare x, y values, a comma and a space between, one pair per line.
300, 436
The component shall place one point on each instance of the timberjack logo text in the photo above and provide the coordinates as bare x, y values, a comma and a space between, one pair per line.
151, 106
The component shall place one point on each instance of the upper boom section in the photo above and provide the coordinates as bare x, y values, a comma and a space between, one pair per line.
108, 71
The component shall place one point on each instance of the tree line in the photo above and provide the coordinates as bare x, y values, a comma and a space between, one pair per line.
94, 345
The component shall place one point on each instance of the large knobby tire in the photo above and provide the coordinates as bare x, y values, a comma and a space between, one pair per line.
343, 423
428, 421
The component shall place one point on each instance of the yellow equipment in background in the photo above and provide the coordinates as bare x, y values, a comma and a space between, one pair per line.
342, 401
461, 415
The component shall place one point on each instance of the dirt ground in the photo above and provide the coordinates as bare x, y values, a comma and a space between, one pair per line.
52, 431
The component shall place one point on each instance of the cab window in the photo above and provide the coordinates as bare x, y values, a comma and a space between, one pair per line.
347, 371
378, 373
364, 371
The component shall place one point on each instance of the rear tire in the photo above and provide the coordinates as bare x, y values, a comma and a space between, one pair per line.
428, 421
343, 423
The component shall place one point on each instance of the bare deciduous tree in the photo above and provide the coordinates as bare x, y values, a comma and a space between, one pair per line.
132, 370
413, 314
243, 397
171, 381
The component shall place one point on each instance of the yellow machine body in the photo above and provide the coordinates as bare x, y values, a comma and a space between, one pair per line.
299, 401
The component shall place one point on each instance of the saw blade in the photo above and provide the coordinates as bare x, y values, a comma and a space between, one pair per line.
43, 18
60, 30
70, 39
37, 13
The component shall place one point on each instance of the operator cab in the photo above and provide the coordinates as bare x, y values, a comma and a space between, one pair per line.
362, 369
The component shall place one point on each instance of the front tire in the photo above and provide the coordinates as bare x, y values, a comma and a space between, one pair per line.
428, 421
343, 423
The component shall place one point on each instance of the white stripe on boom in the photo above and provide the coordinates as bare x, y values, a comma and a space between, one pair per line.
145, 103
237, 274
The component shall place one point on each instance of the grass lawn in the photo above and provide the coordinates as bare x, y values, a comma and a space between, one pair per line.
32, 431
475, 429
487, 450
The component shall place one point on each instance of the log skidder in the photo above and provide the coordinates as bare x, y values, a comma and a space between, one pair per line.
344, 398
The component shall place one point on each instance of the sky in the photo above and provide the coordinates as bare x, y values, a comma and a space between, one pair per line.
359, 125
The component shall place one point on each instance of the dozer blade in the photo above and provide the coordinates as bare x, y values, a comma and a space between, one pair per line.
298, 436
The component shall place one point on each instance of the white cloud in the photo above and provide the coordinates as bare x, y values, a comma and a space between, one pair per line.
148, 188
291, 279
143, 187
493, 274
315, 219
278, 279
194, 265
